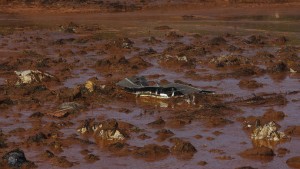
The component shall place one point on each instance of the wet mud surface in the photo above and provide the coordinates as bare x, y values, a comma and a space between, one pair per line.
78, 117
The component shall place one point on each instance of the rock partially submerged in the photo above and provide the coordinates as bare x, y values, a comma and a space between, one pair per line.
258, 153
141, 87
268, 132
294, 162
16, 159
30, 76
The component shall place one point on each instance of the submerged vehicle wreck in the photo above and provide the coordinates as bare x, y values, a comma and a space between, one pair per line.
141, 87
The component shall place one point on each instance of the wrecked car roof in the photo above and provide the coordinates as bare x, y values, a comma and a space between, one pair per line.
140, 83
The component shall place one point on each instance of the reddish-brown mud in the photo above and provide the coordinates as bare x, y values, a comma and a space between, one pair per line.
80, 118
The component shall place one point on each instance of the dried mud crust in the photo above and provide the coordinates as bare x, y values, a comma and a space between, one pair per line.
83, 110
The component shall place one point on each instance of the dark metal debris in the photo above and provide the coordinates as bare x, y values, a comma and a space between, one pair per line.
141, 87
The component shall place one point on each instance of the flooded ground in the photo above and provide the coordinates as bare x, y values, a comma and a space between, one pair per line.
248, 55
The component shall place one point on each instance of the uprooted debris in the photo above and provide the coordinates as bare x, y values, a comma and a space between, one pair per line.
141, 87
30, 76
268, 132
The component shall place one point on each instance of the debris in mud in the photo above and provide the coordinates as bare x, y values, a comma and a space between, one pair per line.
278, 67
265, 99
40, 137
106, 130
70, 28
282, 152
5, 101
183, 147
151, 152
157, 123
293, 131
173, 35
202, 163
61, 162
91, 158
229, 60
16, 159
121, 64
250, 84
152, 40
273, 115
66, 109
217, 41
246, 167
255, 40
124, 43
140, 87
30, 76
164, 27
268, 132
258, 152
176, 61
90, 86
294, 162
36, 115
163, 134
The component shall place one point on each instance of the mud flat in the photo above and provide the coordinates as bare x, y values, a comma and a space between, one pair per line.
61, 104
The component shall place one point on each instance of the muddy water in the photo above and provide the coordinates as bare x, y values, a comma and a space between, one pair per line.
218, 150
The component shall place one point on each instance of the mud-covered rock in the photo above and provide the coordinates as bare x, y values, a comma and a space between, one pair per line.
282, 152
278, 67
257, 152
151, 152
36, 115
265, 99
61, 162
202, 163
250, 84
293, 130
91, 158
173, 35
157, 123
5, 101
217, 41
164, 134
273, 115
294, 162
182, 147
16, 159
121, 64
69, 94
48, 154
255, 40
39, 137
246, 167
